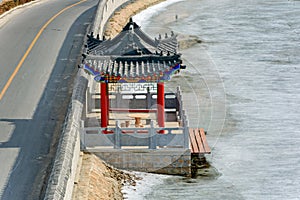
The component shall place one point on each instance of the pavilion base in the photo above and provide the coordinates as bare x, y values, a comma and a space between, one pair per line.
172, 161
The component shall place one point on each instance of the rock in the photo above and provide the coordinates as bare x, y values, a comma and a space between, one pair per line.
188, 41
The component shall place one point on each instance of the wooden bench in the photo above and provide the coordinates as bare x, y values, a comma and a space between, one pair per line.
198, 142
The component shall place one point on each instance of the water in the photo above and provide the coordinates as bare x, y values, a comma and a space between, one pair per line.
244, 87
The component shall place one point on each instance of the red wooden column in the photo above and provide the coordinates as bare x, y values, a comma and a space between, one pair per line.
107, 102
104, 104
161, 105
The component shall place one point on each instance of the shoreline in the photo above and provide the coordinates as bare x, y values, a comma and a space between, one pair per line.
121, 17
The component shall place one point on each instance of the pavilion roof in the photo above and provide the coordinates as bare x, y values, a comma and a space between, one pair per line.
132, 56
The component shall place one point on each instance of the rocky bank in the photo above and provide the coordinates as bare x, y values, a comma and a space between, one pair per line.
121, 17
7, 5
100, 181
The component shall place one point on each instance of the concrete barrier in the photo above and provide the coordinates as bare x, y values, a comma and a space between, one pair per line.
61, 181
105, 11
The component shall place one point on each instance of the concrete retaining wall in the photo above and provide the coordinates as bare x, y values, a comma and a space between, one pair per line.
175, 161
106, 9
60, 185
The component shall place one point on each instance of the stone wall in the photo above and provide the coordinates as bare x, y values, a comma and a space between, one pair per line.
176, 161
61, 181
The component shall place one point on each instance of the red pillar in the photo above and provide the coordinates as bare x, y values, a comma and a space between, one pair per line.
104, 104
107, 102
161, 105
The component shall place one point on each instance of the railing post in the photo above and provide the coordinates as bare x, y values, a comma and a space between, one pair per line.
148, 98
91, 91
186, 136
179, 101
185, 129
152, 137
82, 136
117, 143
183, 118
88, 97
118, 97
133, 102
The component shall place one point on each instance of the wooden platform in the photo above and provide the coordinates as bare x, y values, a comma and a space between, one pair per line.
198, 142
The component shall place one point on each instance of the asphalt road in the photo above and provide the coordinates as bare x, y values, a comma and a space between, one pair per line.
36, 92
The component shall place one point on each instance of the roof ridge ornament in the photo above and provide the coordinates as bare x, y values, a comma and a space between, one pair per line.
131, 28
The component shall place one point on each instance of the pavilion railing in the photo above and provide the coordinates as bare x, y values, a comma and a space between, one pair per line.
141, 100
150, 137
118, 137
132, 101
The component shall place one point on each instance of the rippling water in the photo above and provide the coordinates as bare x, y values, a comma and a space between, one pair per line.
243, 82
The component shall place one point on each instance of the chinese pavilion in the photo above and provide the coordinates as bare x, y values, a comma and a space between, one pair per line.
132, 57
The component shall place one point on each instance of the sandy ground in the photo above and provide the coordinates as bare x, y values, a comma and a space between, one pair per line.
97, 180
121, 17
7, 5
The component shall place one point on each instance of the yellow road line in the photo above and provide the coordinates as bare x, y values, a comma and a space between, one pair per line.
11, 78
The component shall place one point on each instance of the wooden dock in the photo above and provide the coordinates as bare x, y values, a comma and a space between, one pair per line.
198, 142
